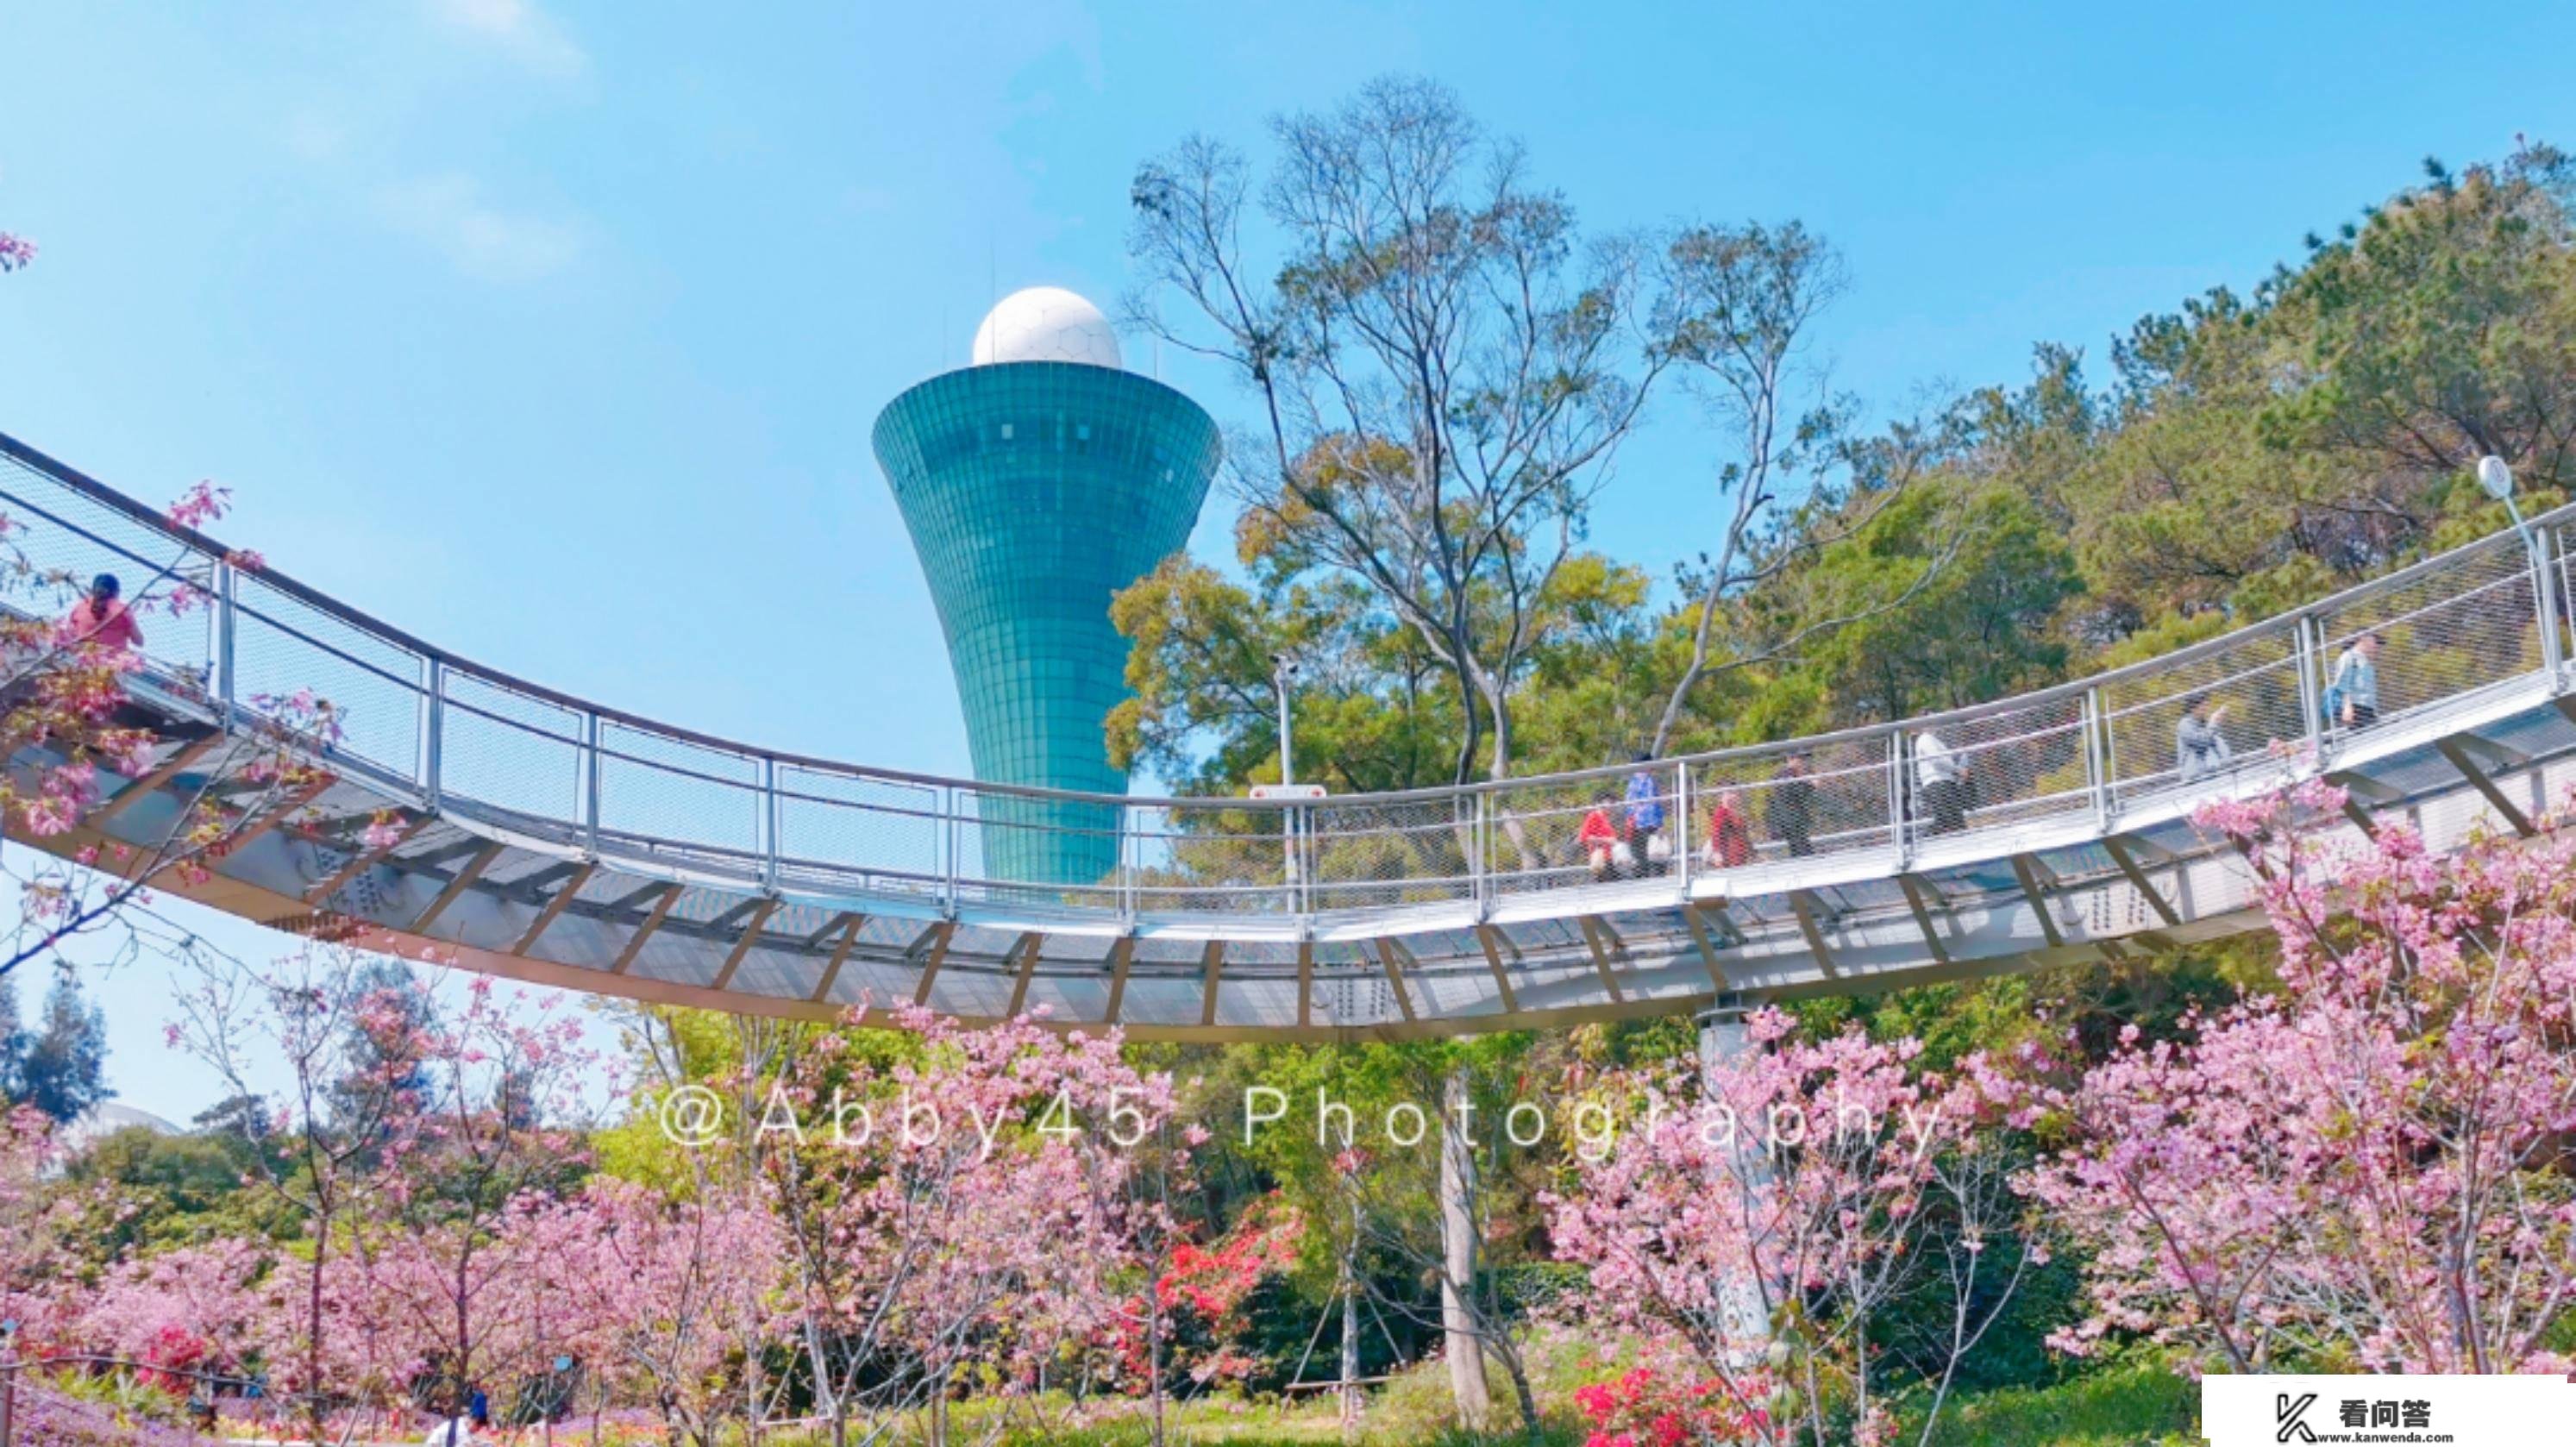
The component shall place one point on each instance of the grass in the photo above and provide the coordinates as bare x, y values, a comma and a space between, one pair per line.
2140, 1404
2131, 1404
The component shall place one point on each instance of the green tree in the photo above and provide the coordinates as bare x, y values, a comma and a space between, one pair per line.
1981, 627
60, 1067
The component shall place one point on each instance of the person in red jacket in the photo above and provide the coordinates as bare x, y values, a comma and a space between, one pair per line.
1599, 838
1730, 832
101, 619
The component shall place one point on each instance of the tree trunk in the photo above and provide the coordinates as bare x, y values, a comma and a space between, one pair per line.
1464, 1344
1154, 1339
1743, 1303
1533, 1427
313, 1327
827, 1401
1350, 1389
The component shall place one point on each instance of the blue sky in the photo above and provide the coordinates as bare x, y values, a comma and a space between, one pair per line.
554, 329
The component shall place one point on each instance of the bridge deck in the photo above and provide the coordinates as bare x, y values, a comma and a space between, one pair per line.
549, 839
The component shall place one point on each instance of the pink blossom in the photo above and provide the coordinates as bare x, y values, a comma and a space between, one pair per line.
200, 505
49, 815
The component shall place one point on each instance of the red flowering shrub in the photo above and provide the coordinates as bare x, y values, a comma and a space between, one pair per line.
1645, 1408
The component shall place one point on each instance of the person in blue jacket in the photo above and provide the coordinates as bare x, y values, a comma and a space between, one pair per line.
1645, 803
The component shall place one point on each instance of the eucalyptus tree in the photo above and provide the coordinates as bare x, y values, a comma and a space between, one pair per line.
1743, 305
1444, 365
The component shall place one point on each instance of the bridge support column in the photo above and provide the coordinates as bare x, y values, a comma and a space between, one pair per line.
1723, 1035
1725, 1038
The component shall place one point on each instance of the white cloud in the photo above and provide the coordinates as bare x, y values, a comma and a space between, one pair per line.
449, 214
518, 29
315, 137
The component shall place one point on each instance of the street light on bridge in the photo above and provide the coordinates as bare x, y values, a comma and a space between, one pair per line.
2497, 481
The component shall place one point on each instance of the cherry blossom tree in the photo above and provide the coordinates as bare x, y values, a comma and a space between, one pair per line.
2371, 1167
962, 1200
347, 1041
717, 1303
456, 1248
656, 1293
1767, 1207
36, 1232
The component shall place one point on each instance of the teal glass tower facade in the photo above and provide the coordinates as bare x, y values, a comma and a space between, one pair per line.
1034, 491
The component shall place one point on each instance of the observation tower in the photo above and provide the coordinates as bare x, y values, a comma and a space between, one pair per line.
1037, 482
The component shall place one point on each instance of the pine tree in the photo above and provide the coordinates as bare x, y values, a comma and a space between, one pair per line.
60, 1069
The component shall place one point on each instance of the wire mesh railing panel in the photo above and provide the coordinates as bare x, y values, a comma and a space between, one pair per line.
284, 647
2564, 585
1376, 854
65, 538
1542, 834
2015, 766
672, 788
1188, 857
859, 823
504, 748
1791, 801
2469, 621
2205, 717
1030, 850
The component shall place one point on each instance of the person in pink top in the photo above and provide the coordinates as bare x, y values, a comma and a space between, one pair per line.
101, 619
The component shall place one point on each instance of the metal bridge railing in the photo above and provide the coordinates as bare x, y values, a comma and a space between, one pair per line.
449, 734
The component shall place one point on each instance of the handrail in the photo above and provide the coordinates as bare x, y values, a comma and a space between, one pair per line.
1484, 832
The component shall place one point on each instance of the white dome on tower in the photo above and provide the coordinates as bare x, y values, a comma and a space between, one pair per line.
1046, 324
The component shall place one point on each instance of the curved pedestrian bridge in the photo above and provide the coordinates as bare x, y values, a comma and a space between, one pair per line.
549, 839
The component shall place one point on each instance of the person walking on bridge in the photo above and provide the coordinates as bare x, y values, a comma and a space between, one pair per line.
2200, 750
1645, 803
1730, 832
1937, 785
2352, 695
1789, 810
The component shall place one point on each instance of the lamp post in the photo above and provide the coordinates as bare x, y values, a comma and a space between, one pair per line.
2496, 480
1283, 680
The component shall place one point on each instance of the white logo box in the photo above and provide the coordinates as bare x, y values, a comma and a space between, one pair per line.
2467, 1411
